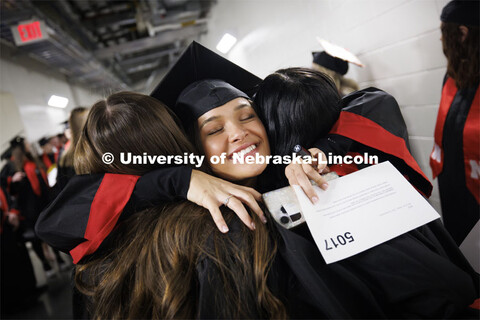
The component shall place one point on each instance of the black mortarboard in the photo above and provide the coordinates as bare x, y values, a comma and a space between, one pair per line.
199, 63
335, 64
43, 141
17, 141
464, 12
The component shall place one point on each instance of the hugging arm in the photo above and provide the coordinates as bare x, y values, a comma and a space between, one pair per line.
201, 188
64, 222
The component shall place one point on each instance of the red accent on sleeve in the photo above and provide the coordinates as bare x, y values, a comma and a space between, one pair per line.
475, 304
15, 211
471, 147
375, 136
3, 201
448, 94
109, 201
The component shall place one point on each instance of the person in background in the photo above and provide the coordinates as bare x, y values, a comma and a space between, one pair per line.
57, 144
24, 179
77, 119
48, 156
17, 278
336, 68
455, 158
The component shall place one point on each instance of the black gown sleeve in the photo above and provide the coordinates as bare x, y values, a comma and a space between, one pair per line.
62, 224
161, 185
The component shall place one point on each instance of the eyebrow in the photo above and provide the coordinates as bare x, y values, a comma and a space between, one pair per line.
243, 104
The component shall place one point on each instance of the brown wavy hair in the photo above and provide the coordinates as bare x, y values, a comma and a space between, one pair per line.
462, 56
151, 270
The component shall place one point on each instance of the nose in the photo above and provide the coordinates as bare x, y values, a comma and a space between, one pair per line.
237, 132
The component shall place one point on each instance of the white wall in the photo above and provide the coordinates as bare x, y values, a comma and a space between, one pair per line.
397, 40
28, 85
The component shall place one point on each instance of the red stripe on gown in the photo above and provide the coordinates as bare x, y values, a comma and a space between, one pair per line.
471, 147
375, 136
448, 94
109, 201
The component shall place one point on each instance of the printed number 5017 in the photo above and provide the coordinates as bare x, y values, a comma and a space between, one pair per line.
340, 240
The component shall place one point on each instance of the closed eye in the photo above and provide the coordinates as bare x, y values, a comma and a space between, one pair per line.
247, 117
212, 132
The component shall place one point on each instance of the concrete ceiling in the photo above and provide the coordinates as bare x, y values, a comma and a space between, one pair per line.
110, 43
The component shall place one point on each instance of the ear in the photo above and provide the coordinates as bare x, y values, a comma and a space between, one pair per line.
464, 32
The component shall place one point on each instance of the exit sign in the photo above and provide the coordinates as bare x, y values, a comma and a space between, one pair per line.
28, 32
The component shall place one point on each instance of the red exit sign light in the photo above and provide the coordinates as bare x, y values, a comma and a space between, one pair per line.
28, 32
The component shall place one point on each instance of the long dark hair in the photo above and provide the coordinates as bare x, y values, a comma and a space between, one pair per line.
297, 106
151, 270
462, 56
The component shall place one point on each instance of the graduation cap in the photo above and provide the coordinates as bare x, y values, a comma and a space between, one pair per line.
330, 62
43, 141
202, 80
339, 52
17, 141
464, 12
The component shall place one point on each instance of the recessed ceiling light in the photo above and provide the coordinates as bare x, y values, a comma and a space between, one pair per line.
57, 101
226, 43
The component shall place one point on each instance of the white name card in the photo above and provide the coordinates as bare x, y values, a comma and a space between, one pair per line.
362, 210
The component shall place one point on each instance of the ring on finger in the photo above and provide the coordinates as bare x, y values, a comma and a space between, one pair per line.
225, 202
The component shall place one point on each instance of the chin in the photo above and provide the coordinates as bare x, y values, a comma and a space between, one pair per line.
249, 171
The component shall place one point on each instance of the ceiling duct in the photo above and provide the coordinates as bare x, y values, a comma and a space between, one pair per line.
108, 43
60, 51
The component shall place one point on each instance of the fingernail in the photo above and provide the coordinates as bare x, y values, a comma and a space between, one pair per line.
321, 170
224, 229
325, 186
253, 225
264, 220
315, 199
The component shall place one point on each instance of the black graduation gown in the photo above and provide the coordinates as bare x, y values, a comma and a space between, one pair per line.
63, 223
17, 280
460, 206
411, 276
30, 198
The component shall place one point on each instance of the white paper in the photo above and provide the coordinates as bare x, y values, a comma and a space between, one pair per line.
470, 247
362, 210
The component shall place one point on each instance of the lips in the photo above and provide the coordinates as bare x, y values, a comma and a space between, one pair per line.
243, 150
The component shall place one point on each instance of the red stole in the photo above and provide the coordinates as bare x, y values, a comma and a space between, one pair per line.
471, 138
30, 171
369, 133
46, 161
109, 201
